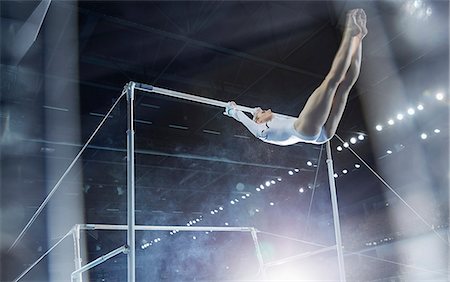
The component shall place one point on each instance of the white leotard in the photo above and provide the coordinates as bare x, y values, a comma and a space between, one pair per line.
279, 130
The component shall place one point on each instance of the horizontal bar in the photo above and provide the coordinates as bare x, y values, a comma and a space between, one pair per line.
190, 97
99, 260
165, 228
300, 256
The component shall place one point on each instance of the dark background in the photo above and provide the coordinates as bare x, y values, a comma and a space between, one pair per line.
191, 160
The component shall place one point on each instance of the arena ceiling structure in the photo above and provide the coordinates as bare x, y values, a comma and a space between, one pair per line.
64, 64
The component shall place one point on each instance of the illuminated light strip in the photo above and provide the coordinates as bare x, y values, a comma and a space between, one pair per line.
100, 115
143, 121
178, 126
211, 131
55, 108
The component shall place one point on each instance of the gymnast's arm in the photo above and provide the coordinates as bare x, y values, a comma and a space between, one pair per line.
256, 129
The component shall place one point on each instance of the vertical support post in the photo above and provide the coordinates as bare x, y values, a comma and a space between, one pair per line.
131, 240
337, 226
77, 251
258, 253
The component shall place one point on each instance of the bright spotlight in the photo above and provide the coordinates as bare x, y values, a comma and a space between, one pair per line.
261, 186
391, 122
267, 183
399, 116
344, 171
257, 189
272, 181
440, 96
420, 107
346, 145
423, 136
296, 170
232, 202
309, 163
220, 208
271, 203
429, 11
335, 175
339, 148
256, 210
361, 137
379, 127
389, 152
301, 190
437, 131
411, 111
290, 172
353, 140
357, 165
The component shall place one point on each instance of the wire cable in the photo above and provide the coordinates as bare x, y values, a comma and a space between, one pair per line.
395, 193
55, 188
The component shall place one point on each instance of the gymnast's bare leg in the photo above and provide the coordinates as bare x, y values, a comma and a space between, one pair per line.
325, 106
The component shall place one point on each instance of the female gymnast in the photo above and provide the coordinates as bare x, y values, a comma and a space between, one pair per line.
318, 121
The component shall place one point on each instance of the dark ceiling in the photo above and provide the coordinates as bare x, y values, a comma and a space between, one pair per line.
191, 159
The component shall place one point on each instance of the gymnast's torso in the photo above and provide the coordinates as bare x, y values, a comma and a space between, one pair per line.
279, 130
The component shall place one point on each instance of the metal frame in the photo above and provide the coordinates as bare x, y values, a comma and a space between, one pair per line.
130, 247
79, 270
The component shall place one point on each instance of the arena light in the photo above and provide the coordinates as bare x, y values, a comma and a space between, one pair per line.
420, 107
357, 165
437, 131
379, 127
423, 136
439, 96
301, 190
346, 145
388, 152
411, 111
309, 163
271, 203
361, 137
391, 122
353, 140
339, 148
400, 116
290, 172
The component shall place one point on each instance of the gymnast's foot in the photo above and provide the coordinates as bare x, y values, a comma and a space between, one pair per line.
351, 24
361, 21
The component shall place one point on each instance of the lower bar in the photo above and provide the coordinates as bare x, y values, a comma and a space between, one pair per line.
165, 228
